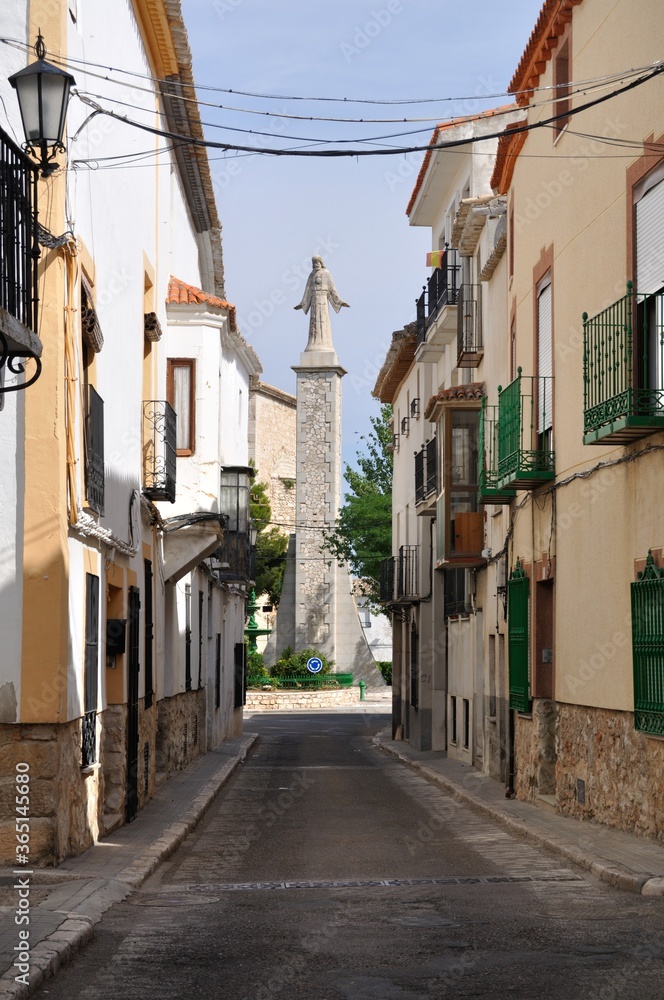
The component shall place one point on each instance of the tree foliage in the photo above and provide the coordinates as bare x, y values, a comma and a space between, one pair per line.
271, 545
363, 536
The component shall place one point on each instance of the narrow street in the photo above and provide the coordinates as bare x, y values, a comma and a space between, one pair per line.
327, 870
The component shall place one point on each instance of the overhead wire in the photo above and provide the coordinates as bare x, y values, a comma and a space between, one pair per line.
400, 150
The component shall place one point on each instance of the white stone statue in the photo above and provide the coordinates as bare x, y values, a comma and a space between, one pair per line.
319, 291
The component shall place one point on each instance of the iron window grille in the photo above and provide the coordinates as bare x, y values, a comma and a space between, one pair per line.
407, 571
415, 407
159, 457
647, 598
90, 671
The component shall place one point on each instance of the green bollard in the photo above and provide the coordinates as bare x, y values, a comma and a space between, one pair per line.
362, 687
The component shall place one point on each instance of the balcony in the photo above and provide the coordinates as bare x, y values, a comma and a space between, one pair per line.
470, 348
235, 559
386, 591
407, 573
426, 478
488, 477
19, 258
525, 455
623, 370
159, 461
436, 309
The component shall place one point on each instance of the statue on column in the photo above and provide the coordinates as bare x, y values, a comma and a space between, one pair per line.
318, 293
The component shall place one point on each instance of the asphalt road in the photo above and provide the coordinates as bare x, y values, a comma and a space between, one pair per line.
326, 870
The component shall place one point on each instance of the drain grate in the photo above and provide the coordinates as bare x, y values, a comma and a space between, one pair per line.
388, 882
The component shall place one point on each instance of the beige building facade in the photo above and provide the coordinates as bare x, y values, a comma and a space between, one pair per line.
536, 654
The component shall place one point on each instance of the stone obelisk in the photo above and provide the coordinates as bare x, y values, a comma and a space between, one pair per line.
317, 608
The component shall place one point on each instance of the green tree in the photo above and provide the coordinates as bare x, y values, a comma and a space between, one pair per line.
363, 536
271, 545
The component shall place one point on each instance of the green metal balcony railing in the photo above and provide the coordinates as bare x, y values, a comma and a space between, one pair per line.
525, 455
307, 682
488, 447
623, 396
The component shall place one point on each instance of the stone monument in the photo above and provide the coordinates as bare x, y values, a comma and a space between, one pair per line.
317, 608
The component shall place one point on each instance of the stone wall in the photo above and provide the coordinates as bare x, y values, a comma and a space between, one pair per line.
272, 437
620, 767
535, 751
181, 729
65, 803
285, 701
114, 760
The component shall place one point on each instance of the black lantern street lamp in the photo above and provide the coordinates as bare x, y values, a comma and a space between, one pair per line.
43, 94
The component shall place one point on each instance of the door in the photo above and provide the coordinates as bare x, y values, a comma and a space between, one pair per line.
133, 668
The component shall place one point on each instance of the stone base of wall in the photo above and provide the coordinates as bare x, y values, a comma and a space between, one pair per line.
65, 803
181, 729
285, 701
114, 758
621, 770
535, 751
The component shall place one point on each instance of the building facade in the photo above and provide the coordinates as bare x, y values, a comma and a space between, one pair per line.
106, 658
533, 382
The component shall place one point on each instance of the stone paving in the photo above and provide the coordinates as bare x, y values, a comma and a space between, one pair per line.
69, 900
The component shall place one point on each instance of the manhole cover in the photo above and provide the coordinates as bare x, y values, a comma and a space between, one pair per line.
174, 899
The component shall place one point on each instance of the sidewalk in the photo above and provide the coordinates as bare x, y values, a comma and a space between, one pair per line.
621, 859
66, 902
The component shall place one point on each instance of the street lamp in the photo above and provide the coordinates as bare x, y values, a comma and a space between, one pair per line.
42, 91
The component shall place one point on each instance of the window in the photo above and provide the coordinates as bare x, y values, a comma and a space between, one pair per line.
466, 723
181, 392
544, 365
561, 81
650, 278
453, 720
94, 450
648, 649
240, 686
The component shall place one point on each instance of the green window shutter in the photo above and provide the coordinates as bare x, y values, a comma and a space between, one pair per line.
648, 649
518, 591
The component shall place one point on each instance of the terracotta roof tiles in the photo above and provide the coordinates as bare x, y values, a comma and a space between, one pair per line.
182, 294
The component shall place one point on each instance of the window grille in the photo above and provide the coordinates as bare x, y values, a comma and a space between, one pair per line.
648, 649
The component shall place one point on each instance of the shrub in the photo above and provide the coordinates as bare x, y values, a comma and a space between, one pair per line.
292, 664
256, 665
385, 667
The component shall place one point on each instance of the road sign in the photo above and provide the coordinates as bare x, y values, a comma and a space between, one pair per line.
314, 665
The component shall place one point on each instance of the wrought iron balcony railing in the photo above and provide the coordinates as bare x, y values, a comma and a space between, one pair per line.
387, 580
623, 387
19, 249
159, 455
441, 289
488, 471
407, 572
470, 348
426, 471
235, 559
19, 258
525, 455
94, 450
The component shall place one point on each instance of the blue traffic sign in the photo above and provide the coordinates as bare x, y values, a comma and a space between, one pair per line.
314, 665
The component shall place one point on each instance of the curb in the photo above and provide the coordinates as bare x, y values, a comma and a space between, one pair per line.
615, 875
59, 948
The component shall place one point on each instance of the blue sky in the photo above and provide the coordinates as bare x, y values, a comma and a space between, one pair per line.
278, 211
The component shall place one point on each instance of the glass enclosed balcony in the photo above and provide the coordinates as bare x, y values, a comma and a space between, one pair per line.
623, 370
